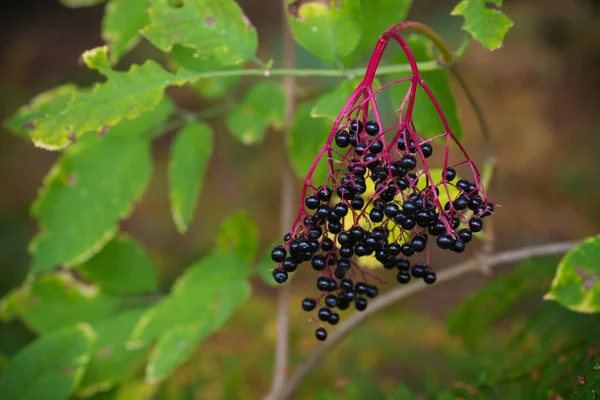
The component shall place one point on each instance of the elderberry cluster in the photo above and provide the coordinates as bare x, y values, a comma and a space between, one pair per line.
380, 201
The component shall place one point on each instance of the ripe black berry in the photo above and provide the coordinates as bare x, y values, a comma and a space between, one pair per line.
346, 284
341, 210
335, 227
324, 193
463, 185
278, 254
403, 277
289, 265
334, 318
356, 126
318, 263
280, 275
360, 287
403, 264
344, 238
418, 243
344, 264
450, 174
458, 246
407, 250
444, 241
326, 244
321, 334
357, 233
339, 273
331, 300
360, 303
475, 224
322, 212
395, 249
391, 209
465, 235
376, 147
372, 291
409, 207
342, 139
323, 284
308, 304
429, 278
371, 128
418, 270
315, 233
409, 162
360, 150
312, 202
346, 252
357, 203
427, 150
376, 215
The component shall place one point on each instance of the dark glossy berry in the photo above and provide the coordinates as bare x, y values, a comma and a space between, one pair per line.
407, 250
335, 227
380, 233
450, 174
444, 241
429, 278
371, 128
465, 235
418, 270
289, 265
308, 304
346, 284
409, 162
287, 237
318, 263
360, 303
343, 304
342, 139
321, 334
341, 210
339, 273
331, 259
315, 233
312, 202
424, 217
344, 238
357, 203
395, 249
322, 212
372, 291
356, 126
409, 207
427, 150
346, 252
403, 277
326, 244
371, 242
357, 233
376, 215
360, 287
280, 275
460, 203
418, 243
331, 300
403, 264
344, 264
409, 224
334, 318
463, 185
350, 295
376, 147
360, 150
278, 254
391, 209
458, 246
323, 283
475, 225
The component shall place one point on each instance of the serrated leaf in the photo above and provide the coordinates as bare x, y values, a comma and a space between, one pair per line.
425, 117
590, 388
45, 105
124, 96
576, 284
331, 103
263, 106
122, 267
328, 29
264, 265
121, 25
217, 30
190, 153
381, 15
307, 136
238, 234
80, 3
487, 25
50, 367
86, 192
55, 300
207, 293
111, 362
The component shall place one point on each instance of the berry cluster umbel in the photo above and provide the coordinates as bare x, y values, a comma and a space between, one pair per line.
380, 200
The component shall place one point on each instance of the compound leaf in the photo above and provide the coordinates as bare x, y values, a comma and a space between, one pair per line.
263, 106
55, 300
122, 267
328, 29
217, 30
190, 153
121, 25
238, 234
576, 284
50, 367
487, 25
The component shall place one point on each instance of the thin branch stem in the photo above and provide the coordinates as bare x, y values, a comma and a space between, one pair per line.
402, 292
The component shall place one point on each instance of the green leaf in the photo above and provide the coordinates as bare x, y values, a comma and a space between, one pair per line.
124, 96
330, 104
80, 3
263, 106
238, 234
264, 265
50, 367
425, 117
485, 24
76, 217
121, 25
112, 363
381, 15
591, 388
55, 300
328, 29
190, 153
44, 105
576, 284
217, 30
207, 293
122, 267
307, 137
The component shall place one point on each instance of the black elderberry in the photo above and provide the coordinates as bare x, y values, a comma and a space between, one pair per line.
407, 250
315, 233
280, 275
357, 233
356, 126
334, 318
372, 291
400, 218
357, 203
331, 259
444, 241
429, 277
424, 217
324, 193
436, 227
346, 284
391, 209
463, 185
458, 246
331, 300
380, 233
376, 147
318, 263
409, 224
472, 189
403, 277
289, 265
465, 235
344, 264
335, 227
323, 284
403, 264
322, 212
450, 174
346, 252
402, 183
455, 222
342, 139
371, 242
332, 285
475, 225
409, 207
308, 304
344, 238
371, 161
343, 304
321, 334
360, 149
360, 287
427, 150
474, 202
278, 254
340, 209
418, 270
419, 243
304, 256
360, 303
376, 215
339, 273
312, 202
460, 203
409, 162
371, 128
359, 171
287, 237
326, 244
395, 249
360, 185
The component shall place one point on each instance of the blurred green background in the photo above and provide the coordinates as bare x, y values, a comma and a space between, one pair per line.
540, 96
